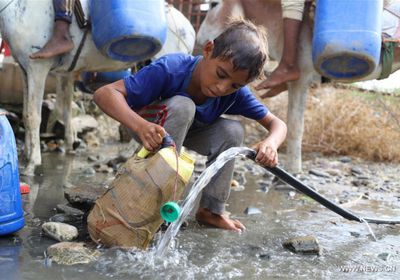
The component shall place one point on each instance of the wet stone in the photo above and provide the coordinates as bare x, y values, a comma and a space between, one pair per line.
63, 218
239, 177
333, 172
89, 171
234, 184
359, 183
115, 162
264, 256
263, 189
356, 170
304, 244
319, 173
60, 150
71, 253
384, 256
303, 177
252, 211
35, 222
83, 196
63, 208
345, 159
278, 184
60, 231
103, 168
355, 234
93, 158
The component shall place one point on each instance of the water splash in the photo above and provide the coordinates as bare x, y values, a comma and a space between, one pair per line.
369, 228
189, 201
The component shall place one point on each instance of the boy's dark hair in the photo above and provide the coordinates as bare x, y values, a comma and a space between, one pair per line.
245, 44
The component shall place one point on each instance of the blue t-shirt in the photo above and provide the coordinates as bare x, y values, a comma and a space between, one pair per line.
170, 75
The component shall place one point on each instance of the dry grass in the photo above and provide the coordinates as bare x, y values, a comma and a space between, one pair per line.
349, 122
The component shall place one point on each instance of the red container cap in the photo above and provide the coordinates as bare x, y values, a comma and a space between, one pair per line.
24, 188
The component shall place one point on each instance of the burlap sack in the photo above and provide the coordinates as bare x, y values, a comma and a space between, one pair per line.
128, 214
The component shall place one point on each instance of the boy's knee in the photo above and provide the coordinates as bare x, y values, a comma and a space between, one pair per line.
233, 132
182, 107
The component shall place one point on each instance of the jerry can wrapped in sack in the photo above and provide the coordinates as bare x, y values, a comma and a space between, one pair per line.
128, 214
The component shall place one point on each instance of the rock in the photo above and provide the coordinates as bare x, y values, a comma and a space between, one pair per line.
84, 196
89, 171
63, 218
355, 234
280, 185
239, 177
63, 208
60, 231
91, 139
359, 183
235, 186
84, 123
303, 244
292, 194
356, 170
93, 158
239, 188
319, 173
115, 162
263, 188
264, 256
345, 159
384, 256
252, 211
103, 168
70, 253
333, 172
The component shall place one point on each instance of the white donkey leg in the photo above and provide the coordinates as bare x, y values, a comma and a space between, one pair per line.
35, 79
297, 102
63, 105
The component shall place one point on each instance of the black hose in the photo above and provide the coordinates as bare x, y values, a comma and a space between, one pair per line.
289, 179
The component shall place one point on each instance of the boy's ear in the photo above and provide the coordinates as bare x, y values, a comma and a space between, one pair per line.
208, 49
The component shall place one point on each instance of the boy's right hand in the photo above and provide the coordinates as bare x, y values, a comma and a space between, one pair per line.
151, 135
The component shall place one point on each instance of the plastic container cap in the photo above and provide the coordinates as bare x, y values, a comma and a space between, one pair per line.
24, 188
170, 211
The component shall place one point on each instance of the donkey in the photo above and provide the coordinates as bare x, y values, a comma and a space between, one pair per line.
268, 13
26, 26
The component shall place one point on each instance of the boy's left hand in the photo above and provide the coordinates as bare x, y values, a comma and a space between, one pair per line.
267, 153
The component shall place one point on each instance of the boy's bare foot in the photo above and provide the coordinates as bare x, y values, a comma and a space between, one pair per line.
220, 221
282, 74
59, 43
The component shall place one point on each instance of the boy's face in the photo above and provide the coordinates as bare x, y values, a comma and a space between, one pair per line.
218, 77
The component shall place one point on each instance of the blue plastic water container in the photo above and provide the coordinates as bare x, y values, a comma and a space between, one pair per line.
128, 30
347, 38
11, 213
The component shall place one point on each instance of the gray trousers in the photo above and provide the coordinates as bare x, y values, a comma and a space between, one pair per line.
177, 118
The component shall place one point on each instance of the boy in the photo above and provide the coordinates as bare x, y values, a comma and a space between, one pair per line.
185, 96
